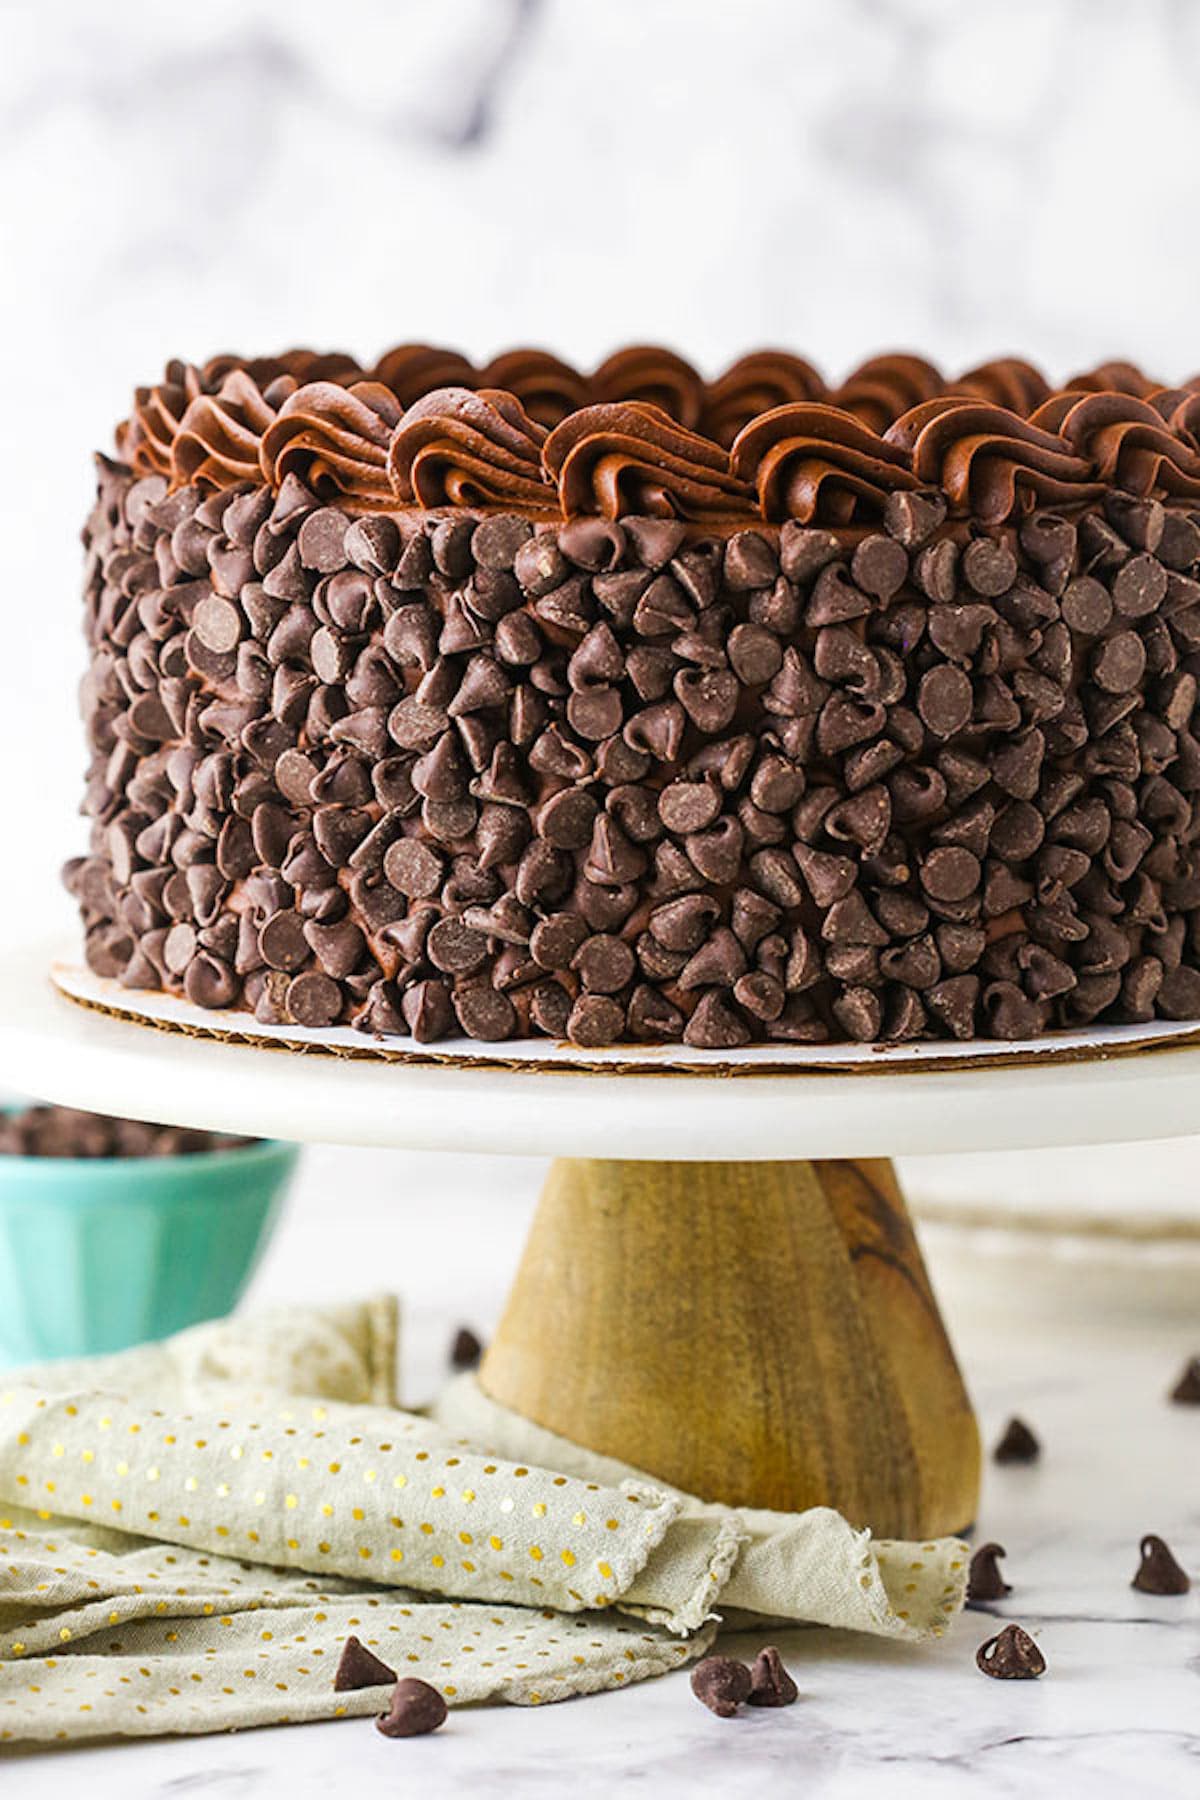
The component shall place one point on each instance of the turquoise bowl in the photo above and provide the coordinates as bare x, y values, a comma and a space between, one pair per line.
97, 1253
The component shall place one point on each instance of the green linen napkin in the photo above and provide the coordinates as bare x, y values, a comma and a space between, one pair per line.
189, 1531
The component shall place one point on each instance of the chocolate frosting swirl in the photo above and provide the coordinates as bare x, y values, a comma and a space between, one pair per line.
301, 365
988, 461
1007, 381
1112, 377
427, 428
655, 376
458, 448
756, 384
547, 387
219, 440
414, 370
335, 439
1127, 442
633, 458
811, 462
146, 440
883, 387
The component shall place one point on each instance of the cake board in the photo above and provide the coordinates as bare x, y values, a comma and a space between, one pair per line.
721, 1284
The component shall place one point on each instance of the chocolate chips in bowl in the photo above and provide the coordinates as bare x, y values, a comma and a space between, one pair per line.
64, 1131
159, 1227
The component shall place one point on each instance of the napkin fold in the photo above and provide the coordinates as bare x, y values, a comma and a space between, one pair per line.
189, 1531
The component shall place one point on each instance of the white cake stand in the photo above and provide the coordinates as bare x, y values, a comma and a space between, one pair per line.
697, 1296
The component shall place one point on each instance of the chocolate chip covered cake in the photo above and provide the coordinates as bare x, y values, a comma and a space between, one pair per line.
515, 701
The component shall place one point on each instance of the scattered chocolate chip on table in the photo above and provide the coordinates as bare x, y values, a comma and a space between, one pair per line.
1017, 1444
1011, 1655
415, 1709
1158, 1572
984, 1580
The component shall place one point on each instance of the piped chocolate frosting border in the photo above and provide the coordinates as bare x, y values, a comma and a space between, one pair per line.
627, 706
645, 435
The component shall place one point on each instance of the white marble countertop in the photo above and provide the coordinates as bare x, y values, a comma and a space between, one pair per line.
1116, 1715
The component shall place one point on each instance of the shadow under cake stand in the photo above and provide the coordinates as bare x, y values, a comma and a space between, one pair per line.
721, 1284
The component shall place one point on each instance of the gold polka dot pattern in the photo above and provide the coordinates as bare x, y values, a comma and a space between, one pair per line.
184, 1550
336, 1490
163, 1640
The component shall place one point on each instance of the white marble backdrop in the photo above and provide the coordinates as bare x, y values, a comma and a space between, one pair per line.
834, 175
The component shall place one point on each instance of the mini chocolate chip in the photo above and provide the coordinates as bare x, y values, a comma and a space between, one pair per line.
604, 964
910, 518
1011, 1655
936, 570
484, 1013
1120, 662
415, 1708
1139, 586
954, 1002
944, 700
879, 566
218, 624
496, 541
595, 713
455, 948
717, 852
322, 540
358, 1667
210, 982
755, 654
612, 859
984, 1580
555, 940
715, 1024
1186, 1391
770, 1683
281, 941
950, 873
465, 1349
1158, 1572
566, 819
686, 806
594, 1021
1087, 606
655, 541
450, 542
313, 999
717, 963
592, 543
804, 552
427, 1011
828, 877
760, 994
722, 1683
413, 868
989, 566
709, 696
372, 544
1179, 995
750, 562
1179, 547
859, 1013
1017, 1444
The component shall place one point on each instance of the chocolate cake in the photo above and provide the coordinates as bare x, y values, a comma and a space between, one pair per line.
517, 701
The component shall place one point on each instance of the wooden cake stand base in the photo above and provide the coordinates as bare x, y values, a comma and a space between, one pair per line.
762, 1334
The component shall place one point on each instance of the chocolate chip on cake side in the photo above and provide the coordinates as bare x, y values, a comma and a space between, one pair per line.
629, 707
